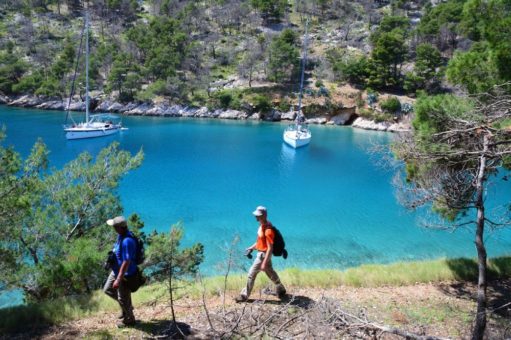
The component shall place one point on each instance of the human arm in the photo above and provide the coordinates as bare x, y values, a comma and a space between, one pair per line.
252, 247
124, 267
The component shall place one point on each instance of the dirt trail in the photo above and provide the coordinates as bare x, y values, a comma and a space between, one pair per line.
440, 309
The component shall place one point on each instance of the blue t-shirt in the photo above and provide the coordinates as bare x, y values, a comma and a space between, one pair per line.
128, 251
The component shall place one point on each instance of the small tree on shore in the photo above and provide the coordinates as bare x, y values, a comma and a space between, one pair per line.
167, 262
457, 146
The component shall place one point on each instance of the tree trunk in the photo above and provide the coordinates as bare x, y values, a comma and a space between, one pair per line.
480, 321
250, 77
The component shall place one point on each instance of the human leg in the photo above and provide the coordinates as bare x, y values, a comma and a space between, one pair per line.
124, 298
252, 274
108, 288
274, 277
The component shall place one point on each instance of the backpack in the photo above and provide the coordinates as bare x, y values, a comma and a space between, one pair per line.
279, 245
140, 254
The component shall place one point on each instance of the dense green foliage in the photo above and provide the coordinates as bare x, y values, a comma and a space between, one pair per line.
187, 50
284, 56
54, 236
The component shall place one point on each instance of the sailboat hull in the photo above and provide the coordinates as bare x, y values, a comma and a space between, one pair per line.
297, 139
90, 132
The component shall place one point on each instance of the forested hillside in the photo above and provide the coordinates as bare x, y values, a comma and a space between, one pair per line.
245, 54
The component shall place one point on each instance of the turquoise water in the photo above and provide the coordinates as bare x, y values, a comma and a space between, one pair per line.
332, 201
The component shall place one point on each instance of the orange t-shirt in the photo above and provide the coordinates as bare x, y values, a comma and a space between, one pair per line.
264, 239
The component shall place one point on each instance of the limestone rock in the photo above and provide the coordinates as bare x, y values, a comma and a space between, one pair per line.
273, 116
233, 114
367, 124
255, 116
341, 119
188, 112
4, 99
103, 106
157, 110
139, 110
318, 120
290, 115
77, 106
202, 112
26, 101
115, 107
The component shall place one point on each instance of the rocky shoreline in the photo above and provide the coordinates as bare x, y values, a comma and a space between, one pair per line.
164, 110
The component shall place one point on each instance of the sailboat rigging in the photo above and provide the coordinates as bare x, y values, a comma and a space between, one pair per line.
298, 134
98, 125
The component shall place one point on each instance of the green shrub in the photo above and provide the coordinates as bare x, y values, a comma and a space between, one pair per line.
391, 105
228, 99
382, 117
158, 88
28, 84
284, 105
366, 113
354, 70
262, 103
50, 88
224, 98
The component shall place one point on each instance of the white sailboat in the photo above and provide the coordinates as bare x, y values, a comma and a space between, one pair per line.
298, 134
98, 125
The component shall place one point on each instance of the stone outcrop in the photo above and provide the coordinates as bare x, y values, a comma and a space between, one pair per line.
291, 115
341, 119
165, 110
26, 101
233, 114
366, 124
4, 99
318, 120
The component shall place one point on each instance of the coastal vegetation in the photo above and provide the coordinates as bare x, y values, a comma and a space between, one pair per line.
219, 53
456, 150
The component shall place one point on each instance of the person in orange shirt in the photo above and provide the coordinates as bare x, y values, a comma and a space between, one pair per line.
262, 261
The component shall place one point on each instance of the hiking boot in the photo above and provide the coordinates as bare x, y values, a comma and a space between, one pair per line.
240, 298
268, 291
281, 294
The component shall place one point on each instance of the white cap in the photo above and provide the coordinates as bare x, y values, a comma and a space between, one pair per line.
260, 211
117, 221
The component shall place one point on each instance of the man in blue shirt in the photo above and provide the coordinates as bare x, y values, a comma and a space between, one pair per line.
125, 250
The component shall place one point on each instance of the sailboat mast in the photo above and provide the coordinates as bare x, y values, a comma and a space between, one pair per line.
87, 67
304, 61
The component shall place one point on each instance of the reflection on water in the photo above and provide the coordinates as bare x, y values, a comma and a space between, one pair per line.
286, 160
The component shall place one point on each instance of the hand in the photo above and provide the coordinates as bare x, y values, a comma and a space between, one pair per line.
116, 283
263, 265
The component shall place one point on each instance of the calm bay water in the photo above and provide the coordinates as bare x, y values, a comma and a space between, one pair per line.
335, 206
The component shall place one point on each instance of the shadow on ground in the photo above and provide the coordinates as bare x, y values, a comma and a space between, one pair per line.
34, 320
166, 328
498, 278
293, 300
